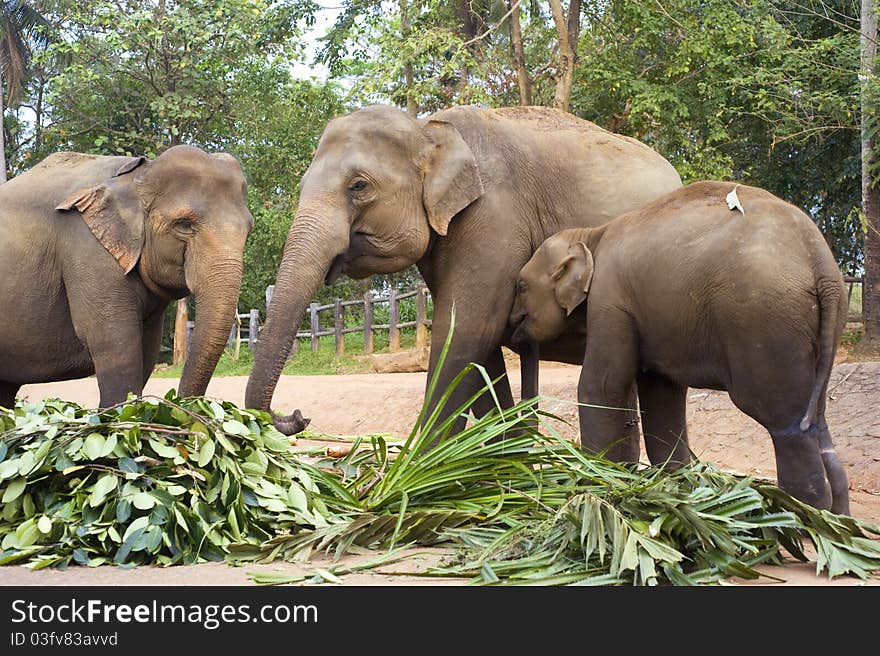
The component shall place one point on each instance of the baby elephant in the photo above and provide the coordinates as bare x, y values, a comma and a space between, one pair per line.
686, 292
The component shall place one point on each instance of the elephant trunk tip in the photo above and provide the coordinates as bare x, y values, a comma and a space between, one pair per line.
291, 424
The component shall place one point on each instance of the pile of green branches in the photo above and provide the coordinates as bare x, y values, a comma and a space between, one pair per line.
175, 481
153, 480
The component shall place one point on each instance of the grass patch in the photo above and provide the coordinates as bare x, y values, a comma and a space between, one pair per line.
305, 363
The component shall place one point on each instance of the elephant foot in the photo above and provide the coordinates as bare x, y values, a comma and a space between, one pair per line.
290, 424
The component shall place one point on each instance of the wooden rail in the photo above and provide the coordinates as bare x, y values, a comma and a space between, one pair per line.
246, 327
850, 282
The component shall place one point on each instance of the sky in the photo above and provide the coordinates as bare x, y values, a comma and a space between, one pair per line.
324, 19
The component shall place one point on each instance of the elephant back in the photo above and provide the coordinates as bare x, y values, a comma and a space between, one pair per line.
57, 176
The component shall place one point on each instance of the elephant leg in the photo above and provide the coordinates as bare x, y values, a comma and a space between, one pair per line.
476, 336
497, 371
529, 363
834, 470
800, 466
113, 334
152, 341
608, 410
662, 405
7, 394
496, 368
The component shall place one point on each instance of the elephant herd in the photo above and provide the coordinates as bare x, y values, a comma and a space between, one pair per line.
539, 231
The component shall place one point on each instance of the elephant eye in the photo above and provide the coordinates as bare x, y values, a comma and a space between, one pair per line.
357, 186
184, 225
521, 286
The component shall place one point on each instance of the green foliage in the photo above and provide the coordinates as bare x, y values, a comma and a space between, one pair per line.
373, 45
21, 27
165, 481
534, 509
141, 77
175, 481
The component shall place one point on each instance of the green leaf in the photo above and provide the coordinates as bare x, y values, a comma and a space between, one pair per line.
123, 511
109, 445
93, 447
8, 469
143, 501
327, 575
138, 524
164, 450
104, 485
235, 427
14, 490
206, 452
296, 497
127, 464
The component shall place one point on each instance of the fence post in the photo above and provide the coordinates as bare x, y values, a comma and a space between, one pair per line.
233, 333
313, 310
270, 290
254, 330
368, 323
190, 325
421, 318
393, 330
339, 312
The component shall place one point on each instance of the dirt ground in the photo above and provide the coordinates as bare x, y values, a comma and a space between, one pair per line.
389, 404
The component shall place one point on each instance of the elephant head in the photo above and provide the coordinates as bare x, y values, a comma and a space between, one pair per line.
179, 223
380, 186
550, 286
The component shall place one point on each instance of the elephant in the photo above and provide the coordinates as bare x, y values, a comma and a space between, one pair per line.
92, 250
688, 291
466, 194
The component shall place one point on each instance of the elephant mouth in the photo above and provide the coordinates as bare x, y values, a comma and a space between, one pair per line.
520, 334
336, 269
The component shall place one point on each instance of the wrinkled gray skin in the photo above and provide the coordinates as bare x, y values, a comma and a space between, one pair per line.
467, 194
92, 250
686, 293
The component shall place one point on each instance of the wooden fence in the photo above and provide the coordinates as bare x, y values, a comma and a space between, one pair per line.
850, 282
246, 327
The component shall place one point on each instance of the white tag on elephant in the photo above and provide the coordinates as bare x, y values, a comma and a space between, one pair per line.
733, 202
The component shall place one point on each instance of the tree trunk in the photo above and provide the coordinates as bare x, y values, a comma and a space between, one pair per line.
870, 342
519, 58
568, 30
469, 27
408, 77
2, 137
180, 320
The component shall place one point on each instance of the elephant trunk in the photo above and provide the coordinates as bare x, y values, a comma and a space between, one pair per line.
316, 239
215, 286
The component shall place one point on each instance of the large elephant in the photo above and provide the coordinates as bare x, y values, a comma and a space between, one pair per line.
685, 292
467, 194
92, 250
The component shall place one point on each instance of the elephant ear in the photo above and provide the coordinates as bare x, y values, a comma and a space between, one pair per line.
114, 214
452, 181
573, 277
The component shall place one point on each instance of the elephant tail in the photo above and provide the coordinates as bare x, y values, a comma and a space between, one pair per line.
832, 313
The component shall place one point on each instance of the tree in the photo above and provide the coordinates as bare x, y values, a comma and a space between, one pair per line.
568, 29
20, 25
870, 342
143, 76
518, 56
